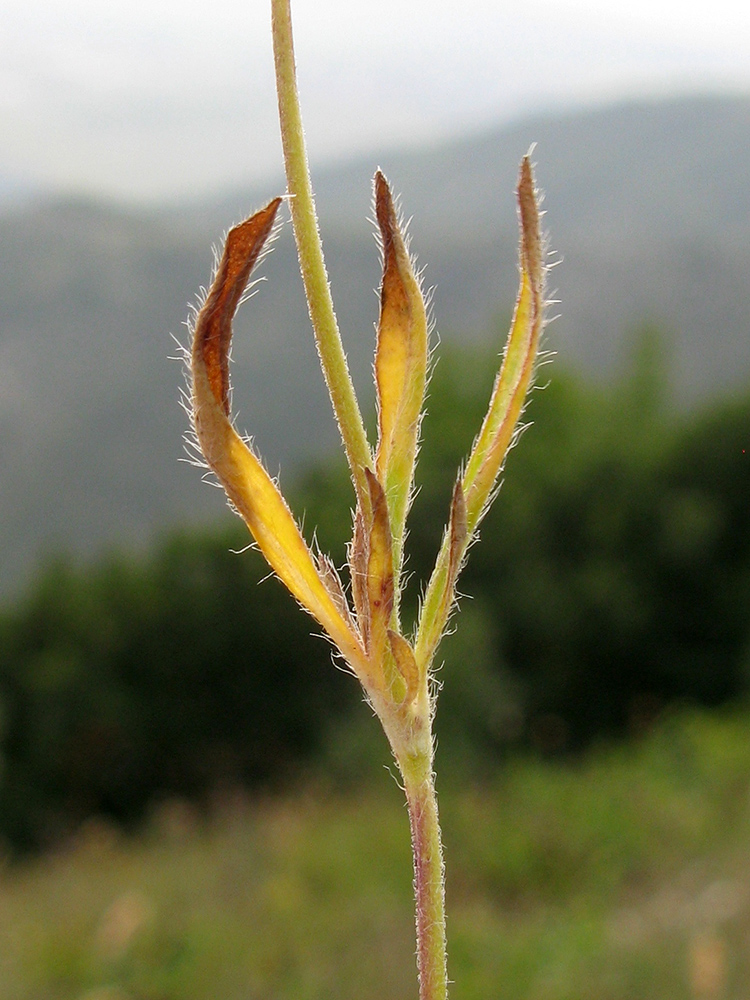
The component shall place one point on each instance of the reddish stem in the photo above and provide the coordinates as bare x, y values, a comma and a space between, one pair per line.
428, 889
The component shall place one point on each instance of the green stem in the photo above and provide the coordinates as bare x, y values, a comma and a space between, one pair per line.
310, 251
429, 879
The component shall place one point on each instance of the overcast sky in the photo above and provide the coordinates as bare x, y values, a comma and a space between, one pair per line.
161, 99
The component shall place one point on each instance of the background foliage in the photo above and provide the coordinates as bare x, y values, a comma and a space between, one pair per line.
612, 579
623, 877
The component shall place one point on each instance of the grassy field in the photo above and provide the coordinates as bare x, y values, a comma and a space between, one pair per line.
623, 876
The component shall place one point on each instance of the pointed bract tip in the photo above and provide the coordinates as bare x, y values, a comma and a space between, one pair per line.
213, 328
385, 212
529, 214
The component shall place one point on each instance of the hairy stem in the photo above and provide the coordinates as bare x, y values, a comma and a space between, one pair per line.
310, 251
429, 879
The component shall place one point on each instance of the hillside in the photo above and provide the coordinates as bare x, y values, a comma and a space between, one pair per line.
648, 207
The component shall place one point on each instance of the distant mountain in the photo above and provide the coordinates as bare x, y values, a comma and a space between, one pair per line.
648, 206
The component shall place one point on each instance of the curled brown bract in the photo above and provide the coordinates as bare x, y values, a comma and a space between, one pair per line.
213, 327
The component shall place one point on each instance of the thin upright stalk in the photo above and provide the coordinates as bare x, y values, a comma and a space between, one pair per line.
310, 250
429, 880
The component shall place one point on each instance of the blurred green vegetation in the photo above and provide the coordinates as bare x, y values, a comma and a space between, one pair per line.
620, 877
612, 576
178, 674
612, 580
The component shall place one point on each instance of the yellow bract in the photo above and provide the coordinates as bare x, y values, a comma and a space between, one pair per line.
400, 368
514, 378
247, 484
473, 492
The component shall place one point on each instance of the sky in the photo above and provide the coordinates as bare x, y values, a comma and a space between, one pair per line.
156, 101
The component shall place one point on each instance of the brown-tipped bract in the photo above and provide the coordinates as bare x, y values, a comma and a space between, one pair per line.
474, 491
247, 484
400, 366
